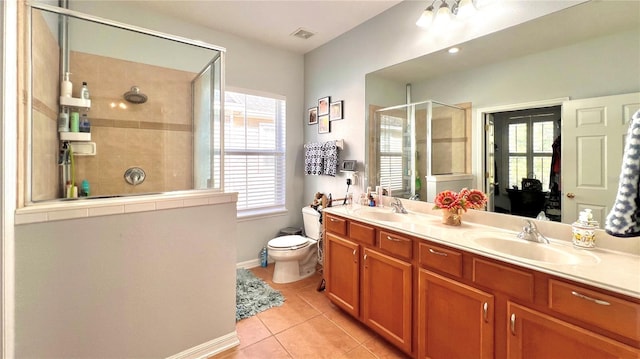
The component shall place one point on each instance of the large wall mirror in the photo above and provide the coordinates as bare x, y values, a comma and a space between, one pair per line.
590, 50
154, 109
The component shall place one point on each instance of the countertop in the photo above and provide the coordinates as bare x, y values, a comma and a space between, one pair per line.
602, 268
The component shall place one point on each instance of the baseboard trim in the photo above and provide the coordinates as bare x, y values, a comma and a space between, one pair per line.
248, 264
210, 348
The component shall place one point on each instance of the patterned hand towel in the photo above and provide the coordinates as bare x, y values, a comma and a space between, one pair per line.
330, 158
313, 159
622, 221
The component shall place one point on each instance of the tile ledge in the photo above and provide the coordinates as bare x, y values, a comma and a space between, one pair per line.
51, 210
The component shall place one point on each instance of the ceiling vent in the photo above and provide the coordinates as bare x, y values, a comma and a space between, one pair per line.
302, 33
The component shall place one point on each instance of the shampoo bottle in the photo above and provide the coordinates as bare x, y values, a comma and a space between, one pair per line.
66, 87
85, 125
63, 121
84, 190
75, 122
84, 92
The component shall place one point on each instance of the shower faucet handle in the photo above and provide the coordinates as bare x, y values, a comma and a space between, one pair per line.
134, 176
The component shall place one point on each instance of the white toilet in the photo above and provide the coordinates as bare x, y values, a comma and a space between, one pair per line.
296, 256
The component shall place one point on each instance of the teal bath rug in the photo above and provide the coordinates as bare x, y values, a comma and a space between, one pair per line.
253, 295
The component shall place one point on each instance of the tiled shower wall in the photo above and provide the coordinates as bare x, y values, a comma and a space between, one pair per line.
155, 136
44, 150
450, 140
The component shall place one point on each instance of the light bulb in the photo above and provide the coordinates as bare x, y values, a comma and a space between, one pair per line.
443, 15
466, 8
426, 18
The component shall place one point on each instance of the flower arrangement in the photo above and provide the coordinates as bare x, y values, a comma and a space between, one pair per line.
464, 200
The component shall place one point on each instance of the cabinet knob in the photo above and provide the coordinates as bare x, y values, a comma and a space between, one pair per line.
485, 312
513, 323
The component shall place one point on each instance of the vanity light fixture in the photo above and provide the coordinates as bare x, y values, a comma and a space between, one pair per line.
445, 10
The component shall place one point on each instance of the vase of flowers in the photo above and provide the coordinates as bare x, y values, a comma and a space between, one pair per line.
454, 204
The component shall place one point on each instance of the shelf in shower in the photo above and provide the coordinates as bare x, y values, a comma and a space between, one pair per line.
75, 136
75, 102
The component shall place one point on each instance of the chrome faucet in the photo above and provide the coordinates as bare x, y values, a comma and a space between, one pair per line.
530, 233
397, 206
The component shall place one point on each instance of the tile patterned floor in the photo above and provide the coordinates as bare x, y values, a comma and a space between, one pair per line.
307, 326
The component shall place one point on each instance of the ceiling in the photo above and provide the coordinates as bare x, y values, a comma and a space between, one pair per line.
273, 22
571, 25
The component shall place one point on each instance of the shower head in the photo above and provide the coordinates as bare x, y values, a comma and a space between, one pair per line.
135, 96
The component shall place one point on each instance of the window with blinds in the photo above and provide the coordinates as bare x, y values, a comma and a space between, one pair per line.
391, 163
530, 141
254, 150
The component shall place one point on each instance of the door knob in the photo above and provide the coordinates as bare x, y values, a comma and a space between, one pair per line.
571, 195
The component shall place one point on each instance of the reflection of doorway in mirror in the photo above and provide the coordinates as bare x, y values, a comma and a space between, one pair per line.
525, 150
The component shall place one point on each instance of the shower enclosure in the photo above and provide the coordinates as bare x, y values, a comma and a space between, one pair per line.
414, 145
153, 114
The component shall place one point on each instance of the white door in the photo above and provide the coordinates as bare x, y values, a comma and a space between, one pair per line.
593, 132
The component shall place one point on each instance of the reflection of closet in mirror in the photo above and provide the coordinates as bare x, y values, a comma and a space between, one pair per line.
420, 147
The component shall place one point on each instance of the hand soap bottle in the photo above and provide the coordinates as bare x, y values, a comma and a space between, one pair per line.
584, 230
66, 87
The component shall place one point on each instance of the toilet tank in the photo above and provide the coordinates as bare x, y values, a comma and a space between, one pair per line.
311, 219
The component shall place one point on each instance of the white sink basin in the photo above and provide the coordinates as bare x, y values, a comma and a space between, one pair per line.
540, 252
384, 214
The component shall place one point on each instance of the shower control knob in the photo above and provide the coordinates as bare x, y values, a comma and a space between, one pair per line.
134, 176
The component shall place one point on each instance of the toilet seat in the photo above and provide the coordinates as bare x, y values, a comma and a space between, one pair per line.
288, 243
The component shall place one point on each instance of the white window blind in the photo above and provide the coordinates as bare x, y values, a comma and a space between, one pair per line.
254, 148
391, 162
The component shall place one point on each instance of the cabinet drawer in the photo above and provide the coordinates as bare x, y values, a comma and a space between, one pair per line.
361, 233
336, 225
516, 283
395, 244
613, 314
442, 259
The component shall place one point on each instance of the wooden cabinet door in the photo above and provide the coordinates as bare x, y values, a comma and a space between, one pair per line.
454, 320
387, 295
342, 273
535, 335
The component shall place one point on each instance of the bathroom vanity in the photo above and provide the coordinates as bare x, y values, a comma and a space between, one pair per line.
476, 291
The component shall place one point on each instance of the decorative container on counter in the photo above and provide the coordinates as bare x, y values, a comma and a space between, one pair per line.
584, 230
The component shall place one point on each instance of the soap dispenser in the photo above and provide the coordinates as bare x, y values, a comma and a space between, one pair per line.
584, 230
66, 87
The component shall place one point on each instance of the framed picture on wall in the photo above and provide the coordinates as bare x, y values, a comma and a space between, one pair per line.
323, 106
335, 111
323, 124
312, 116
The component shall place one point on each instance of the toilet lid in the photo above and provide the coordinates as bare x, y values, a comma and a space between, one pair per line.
293, 242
